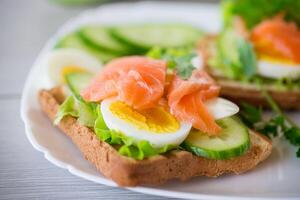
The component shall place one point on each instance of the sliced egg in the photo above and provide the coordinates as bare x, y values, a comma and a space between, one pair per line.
278, 69
220, 108
63, 61
155, 125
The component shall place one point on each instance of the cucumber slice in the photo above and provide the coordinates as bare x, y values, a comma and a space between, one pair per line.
233, 141
101, 38
144, 37
77, 81
74, 41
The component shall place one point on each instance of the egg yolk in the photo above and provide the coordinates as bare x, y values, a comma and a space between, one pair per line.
275, 60
156, 119
70, 69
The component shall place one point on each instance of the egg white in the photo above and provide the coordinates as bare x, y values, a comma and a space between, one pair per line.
220, 108
278, 69
58, 59
198, 62
156, 139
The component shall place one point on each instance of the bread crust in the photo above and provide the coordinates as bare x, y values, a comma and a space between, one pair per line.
156, 170
239, 92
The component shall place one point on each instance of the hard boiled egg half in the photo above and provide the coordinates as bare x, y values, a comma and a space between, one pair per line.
277, 68
63, 61
156, 125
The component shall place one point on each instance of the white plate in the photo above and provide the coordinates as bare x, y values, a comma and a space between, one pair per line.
278, 177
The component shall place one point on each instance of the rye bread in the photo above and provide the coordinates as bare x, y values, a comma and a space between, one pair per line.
241, 92
176, 164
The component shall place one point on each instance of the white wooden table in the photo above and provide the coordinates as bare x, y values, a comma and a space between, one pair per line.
24, 173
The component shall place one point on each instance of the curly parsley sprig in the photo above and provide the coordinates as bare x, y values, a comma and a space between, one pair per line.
279, 124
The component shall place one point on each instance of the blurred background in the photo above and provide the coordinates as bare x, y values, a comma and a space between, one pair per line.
26, 25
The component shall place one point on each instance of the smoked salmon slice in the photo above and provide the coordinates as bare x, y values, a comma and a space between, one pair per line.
186, 100
277, 38
141, 83
136, 80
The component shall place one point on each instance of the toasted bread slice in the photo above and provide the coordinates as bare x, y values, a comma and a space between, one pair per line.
157, 169
242, 92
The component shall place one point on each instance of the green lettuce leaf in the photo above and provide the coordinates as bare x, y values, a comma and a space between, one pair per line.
235, 56
142, 149
75, 104
247, 58
68, 107
84, 111
254, 11
285, 83
87, 113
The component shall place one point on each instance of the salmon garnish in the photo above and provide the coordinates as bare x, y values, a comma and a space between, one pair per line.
277, 38
186, 100
136, 80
